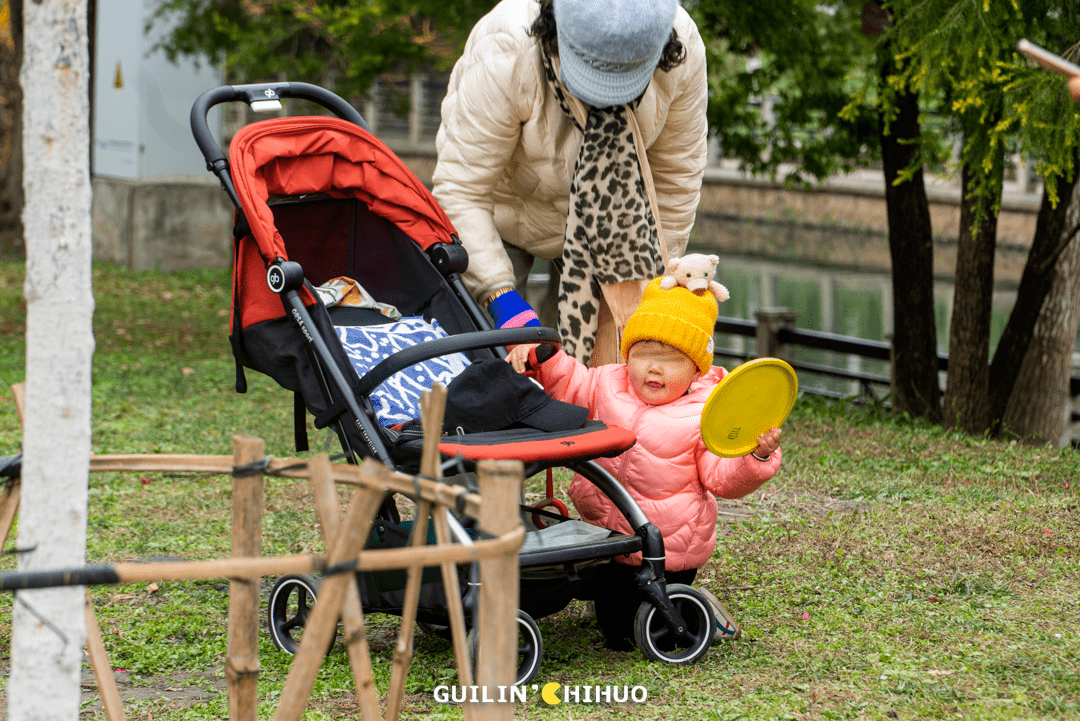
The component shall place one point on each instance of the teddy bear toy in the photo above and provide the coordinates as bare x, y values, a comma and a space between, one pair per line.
695, 272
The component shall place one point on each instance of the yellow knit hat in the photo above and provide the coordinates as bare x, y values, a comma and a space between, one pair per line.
678, 317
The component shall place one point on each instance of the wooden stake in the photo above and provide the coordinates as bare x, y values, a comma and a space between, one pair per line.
352, 615
324, 616
500, 487
9, 507
18, 392
403, 651
99, 662
432, 406
454, 606
242, 663
9, 499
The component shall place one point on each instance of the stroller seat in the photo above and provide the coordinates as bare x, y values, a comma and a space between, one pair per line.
327, 195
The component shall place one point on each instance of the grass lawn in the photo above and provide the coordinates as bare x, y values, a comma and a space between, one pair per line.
891, 570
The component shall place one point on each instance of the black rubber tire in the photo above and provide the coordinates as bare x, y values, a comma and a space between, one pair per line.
530, 649
287, 609
657, 643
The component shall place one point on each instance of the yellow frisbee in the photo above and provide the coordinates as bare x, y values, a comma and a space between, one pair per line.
753, 398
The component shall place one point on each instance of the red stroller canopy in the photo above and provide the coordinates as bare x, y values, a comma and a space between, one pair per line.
299, 155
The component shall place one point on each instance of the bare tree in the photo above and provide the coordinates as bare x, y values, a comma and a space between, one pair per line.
1037, 407
911, 249
967, 400
48, 631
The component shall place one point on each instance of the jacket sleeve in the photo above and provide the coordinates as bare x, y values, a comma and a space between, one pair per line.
486, 103
734, 477
565, 378
678, 155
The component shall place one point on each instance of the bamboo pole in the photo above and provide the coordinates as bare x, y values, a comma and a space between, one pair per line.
99, 662
394, 558
432, 431
391, 481
324, 616
242, 662
454, 606
9, 497
500, 486
432, 406
9, 507
95, 646
18, 393
352, 615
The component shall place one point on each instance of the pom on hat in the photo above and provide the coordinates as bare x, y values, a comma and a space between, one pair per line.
678, 317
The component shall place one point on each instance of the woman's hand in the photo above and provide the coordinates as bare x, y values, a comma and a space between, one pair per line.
1074, 87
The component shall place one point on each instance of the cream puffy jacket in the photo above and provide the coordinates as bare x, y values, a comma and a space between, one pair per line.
507, 150
669, 472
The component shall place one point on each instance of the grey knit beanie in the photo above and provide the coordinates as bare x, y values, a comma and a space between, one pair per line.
609, 49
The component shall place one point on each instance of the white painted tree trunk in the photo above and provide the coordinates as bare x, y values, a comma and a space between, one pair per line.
48, 631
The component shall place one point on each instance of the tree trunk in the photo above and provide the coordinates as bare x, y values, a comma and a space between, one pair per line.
967, 390
48, 630
1036, 410
1050, 240
11, 177
911, 246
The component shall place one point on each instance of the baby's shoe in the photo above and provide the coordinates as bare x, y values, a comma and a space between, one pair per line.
726, 627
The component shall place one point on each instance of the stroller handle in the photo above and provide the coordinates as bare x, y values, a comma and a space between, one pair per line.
215, 156
453, 344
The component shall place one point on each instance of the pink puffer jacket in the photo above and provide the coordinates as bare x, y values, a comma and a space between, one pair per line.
670, 472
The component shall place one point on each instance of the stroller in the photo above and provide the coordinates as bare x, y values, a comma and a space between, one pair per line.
320, 198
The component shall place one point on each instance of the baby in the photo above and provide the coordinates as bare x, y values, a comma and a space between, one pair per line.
658, 394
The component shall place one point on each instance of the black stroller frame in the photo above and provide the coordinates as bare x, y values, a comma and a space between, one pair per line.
295, 343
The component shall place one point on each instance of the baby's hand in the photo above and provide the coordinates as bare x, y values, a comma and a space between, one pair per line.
519, 356
768, 442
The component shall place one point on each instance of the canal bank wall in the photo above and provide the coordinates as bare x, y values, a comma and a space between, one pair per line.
186, 223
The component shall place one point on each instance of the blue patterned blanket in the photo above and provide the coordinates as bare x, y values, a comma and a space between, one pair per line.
398, 398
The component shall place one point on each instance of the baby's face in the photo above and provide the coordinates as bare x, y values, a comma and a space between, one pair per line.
659, 373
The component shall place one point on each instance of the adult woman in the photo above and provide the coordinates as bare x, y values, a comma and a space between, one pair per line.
517, 180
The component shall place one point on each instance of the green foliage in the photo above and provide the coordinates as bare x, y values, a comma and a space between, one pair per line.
807, 60
341, 44
960, 57
891, 569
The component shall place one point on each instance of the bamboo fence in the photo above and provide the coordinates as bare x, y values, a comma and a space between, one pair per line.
338, 597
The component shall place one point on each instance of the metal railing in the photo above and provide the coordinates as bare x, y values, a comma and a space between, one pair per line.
776, 336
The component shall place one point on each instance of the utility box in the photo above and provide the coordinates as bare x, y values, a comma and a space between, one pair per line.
155, 204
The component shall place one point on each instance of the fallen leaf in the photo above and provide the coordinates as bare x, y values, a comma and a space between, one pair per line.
167, 296
153, 587
939, 672
187, 371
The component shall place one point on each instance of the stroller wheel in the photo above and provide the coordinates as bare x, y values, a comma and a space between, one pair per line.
291, 600
657, 642
530, 648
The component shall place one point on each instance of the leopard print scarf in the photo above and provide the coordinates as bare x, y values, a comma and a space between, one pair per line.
611, 234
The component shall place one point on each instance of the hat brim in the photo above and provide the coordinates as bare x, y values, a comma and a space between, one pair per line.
604, 88
556, 416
